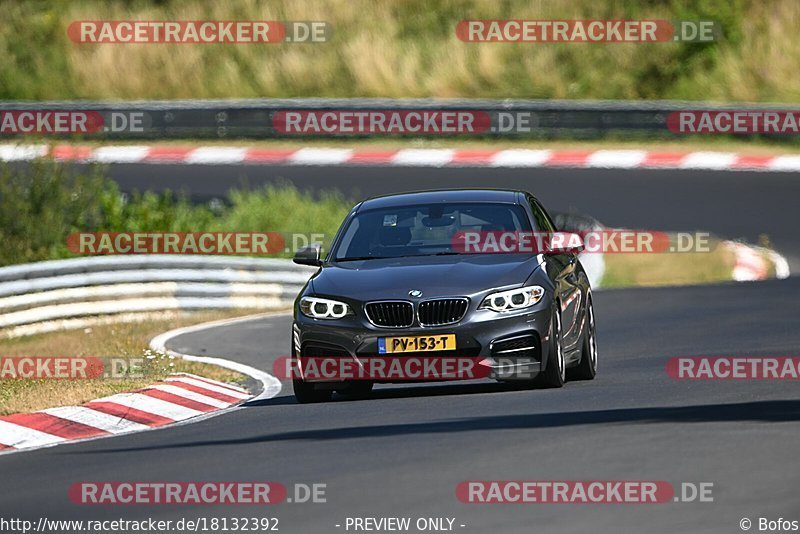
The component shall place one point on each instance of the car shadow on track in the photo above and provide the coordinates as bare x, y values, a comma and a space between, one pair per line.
406, 391
760, 411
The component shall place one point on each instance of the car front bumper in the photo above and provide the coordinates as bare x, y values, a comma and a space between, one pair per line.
514, 345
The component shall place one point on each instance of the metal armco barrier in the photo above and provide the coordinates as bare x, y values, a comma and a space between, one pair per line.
63, 289
262, 118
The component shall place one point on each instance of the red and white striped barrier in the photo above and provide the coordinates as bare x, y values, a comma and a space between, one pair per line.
424, 157
179, 397
750, 265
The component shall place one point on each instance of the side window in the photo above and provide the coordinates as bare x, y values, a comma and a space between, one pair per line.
543, 221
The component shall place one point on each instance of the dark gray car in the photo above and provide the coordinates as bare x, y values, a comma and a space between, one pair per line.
395, 275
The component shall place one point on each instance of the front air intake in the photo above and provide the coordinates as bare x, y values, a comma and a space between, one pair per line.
390, 314
441, 312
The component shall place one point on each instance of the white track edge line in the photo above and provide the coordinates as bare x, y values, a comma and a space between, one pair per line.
270, 388
183, 422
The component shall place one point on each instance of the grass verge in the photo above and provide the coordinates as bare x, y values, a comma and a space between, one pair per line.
402, 48
674, 269
119, 340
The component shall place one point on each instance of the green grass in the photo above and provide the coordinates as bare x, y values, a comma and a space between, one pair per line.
126, 340
402, 48
668, 269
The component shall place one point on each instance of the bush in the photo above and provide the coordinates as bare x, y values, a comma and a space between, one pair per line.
42, 203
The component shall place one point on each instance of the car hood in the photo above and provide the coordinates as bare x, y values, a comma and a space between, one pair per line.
435, 276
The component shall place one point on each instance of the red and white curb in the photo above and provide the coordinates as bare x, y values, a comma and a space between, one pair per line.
180, 397
423, 157
270, 386
751, 265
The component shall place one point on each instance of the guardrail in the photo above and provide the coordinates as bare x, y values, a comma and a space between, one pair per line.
38, 297
256, 118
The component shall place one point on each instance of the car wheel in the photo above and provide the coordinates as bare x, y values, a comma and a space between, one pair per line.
305, 393
587, 368
359, 389
554, 374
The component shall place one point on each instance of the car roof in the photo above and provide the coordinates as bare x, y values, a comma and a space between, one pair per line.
506, 196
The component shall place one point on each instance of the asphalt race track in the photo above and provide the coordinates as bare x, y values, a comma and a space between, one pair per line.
403, 452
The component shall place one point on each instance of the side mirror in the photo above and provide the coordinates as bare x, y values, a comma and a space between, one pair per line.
308, 256
566, 242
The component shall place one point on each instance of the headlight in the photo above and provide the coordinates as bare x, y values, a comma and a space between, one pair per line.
513, 299
318, 308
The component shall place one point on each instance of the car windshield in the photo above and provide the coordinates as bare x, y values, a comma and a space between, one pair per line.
424, 230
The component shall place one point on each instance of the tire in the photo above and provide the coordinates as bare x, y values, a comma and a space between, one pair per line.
587, 368
357, 390
554, 374
305, 393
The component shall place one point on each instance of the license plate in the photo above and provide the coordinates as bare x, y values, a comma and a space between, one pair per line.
391, 345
